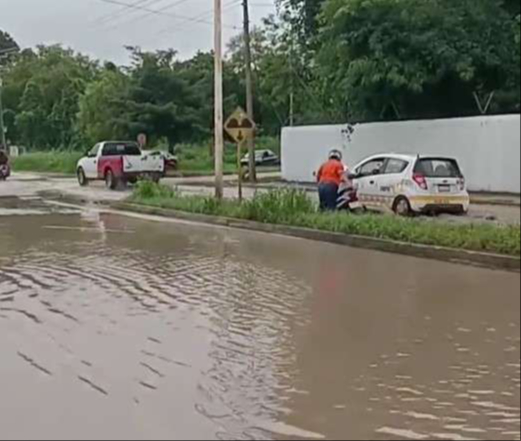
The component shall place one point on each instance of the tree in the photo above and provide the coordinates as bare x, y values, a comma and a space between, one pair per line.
392, 59
7, 42
101, 115
303, 15
42, 88
160, 102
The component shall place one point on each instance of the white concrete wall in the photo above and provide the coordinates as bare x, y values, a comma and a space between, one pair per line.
488, 148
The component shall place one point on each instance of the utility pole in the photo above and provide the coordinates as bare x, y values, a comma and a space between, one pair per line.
219, 111
292, 84
249, 89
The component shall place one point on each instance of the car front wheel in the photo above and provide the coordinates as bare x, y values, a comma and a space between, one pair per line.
82, 178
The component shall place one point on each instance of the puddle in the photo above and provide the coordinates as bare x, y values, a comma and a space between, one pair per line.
176, 331
29, 206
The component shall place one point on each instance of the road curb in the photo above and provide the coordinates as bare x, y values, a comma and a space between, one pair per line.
487, 260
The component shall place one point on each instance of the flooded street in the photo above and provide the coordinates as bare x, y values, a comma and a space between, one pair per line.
118, 327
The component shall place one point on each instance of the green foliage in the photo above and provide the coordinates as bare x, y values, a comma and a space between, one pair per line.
293, 207
149, 190
61, 162
394, 59
7, 42
278, 206
42, 88
100, 116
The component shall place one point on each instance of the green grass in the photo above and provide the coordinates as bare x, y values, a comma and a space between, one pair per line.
194, 160
294, 208
47, 162
198, 160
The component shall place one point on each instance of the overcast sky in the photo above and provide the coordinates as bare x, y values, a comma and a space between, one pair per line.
101, 29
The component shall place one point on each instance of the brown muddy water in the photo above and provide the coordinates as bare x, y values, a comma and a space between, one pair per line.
114, 327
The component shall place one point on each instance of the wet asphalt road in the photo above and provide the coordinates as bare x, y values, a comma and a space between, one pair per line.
118, 327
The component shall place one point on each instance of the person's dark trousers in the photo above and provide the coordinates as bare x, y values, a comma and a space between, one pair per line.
328, 193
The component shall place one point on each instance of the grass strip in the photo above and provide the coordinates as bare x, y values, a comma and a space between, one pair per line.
61, 162
294, 208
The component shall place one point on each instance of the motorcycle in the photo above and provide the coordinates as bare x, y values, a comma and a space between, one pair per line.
347, 194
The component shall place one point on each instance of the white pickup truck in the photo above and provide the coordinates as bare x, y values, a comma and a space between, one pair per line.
118, 163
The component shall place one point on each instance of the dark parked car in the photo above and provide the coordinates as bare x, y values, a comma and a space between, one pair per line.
263, 158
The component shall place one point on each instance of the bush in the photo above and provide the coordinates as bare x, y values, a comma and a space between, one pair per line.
279, 206
149, 190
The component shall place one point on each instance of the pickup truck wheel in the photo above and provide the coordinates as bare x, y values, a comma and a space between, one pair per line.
156, 178
82, 178
110, 180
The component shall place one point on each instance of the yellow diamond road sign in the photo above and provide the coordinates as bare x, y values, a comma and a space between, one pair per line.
239, 126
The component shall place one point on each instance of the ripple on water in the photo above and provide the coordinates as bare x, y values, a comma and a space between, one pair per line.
252, 347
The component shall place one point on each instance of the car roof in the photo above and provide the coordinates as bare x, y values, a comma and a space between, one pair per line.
118, 142
407, 156
403, 157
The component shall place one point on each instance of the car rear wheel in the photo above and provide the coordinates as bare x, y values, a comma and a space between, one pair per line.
110, 180
402, 207
82, 178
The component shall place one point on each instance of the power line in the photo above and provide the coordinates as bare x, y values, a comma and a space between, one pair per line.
231, 4
162, 13
123, 11
148, 14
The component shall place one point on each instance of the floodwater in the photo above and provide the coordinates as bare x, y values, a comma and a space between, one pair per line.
114, 327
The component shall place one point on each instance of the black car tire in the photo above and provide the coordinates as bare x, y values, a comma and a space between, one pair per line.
110, 180
82, 178
402, 207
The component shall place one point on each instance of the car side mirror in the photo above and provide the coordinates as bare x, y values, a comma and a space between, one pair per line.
376, 172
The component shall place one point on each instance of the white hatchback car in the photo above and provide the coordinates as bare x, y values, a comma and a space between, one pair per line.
408, 184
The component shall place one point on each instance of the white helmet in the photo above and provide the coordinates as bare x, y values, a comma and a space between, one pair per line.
335, 154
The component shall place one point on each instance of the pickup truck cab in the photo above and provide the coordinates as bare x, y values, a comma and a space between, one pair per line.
118, 163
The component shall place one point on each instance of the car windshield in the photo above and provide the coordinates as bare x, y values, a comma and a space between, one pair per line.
438, 168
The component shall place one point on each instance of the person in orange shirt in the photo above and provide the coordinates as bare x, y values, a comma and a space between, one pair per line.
329, 177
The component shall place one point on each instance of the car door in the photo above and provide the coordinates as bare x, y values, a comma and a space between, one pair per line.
368, 182
90, 163
389, 182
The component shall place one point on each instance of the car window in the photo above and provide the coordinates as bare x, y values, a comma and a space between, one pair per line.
395, 166
438, 168
371, 167
118, 149
94, 151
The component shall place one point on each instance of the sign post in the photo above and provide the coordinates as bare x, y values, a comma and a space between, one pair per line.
241, 128
239, 168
